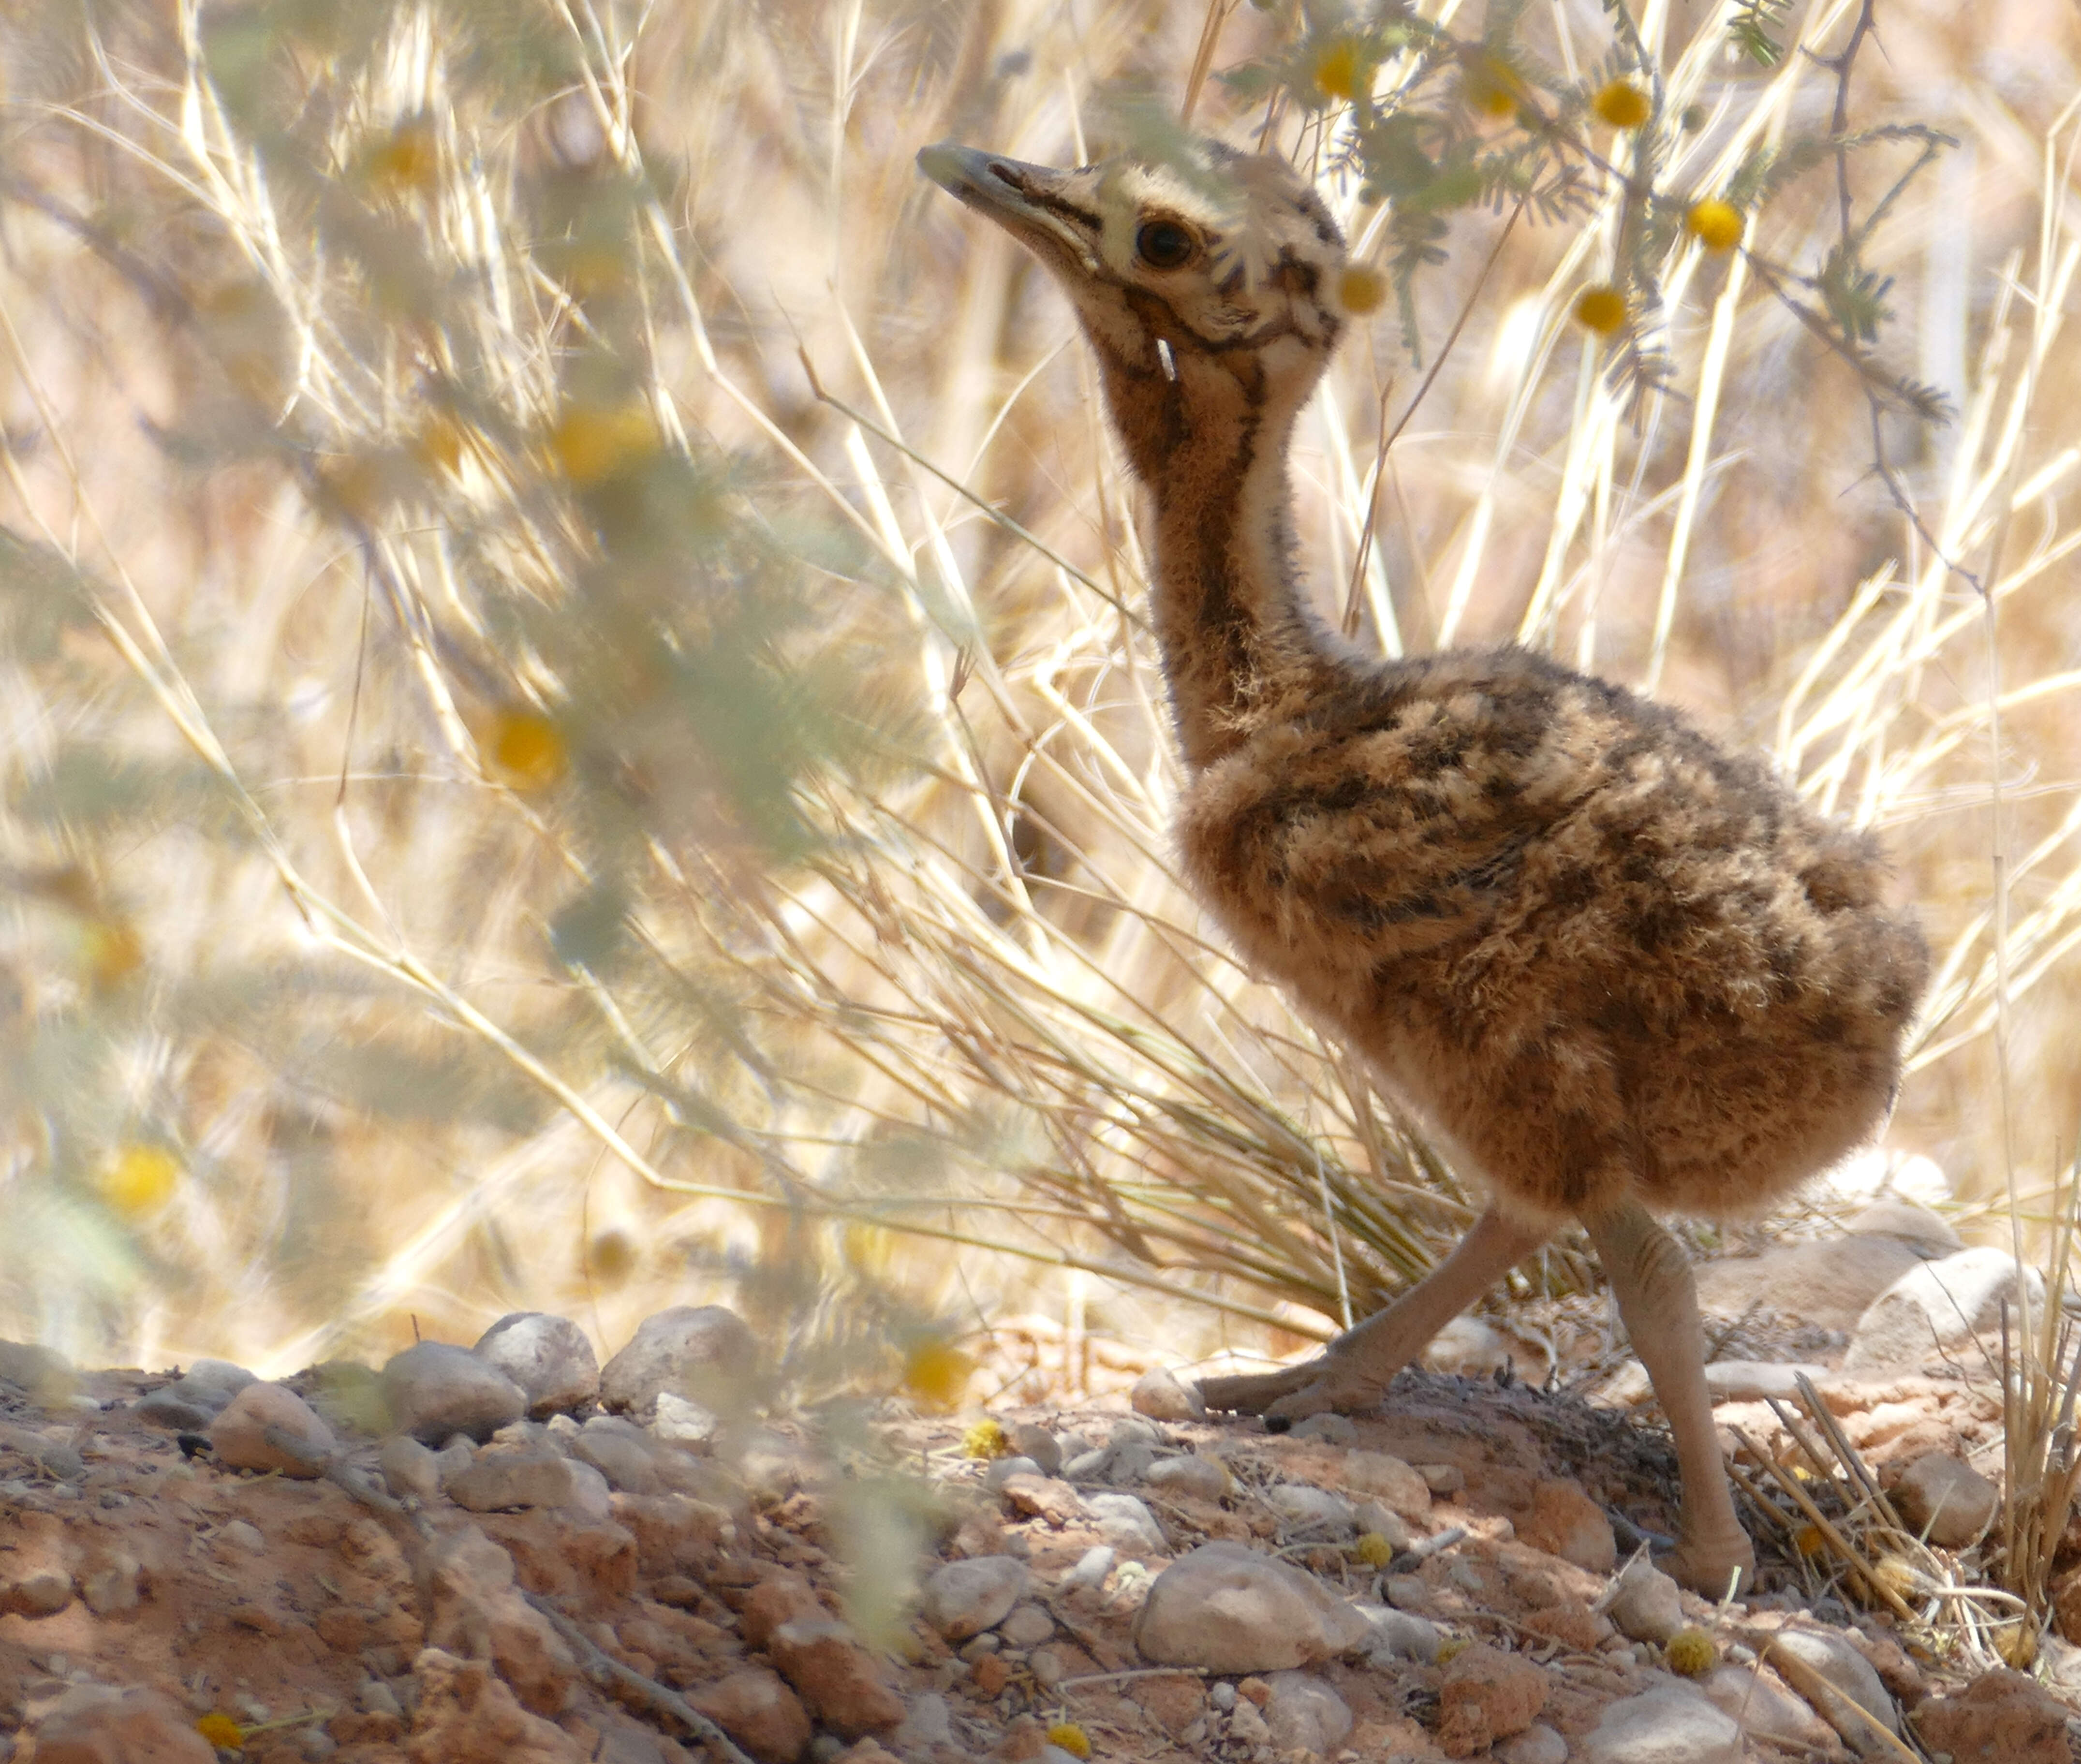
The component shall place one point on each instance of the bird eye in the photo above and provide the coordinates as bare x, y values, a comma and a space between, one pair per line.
1164, 245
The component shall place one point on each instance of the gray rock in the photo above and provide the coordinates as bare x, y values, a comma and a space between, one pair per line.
1538, 1743
194, 1400
703, 1353
1669, 1725
1329, 1427
1828, 1283
1766, 1710
1376, 1517
961, 1599
619, 1450
1400, 1634
46, 1375
111, 1587
1644, 1603
1092, 1567
1226, 1608
1314, 1512
1937, 1305
1037, 1443
1124, 1522
436, 1389
1946, 1500
499, 1479
410, 1468
1441, 1478
243, 1535
549, 1357
1203, 1479
690, 1426
1027, 1627
457, 1456
1387, 1479
1085, 1466
1000, 1468
1833, 1658
926, 1724
270, 1427
1158, 1394
1304, 1714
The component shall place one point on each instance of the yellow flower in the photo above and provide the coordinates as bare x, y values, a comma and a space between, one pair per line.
1360, 289
936, 1374
220, 1730
1691, 1653
986, 1438
1601, 309
408, 158
1374, 1550
1809, 1541
1450, 1649
1492, 86
1341, 71
1622, 104
1071, 1738
140, 1180
1715, 225
590, 444
528, 750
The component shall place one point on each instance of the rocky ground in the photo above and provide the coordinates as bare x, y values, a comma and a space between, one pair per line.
507, 1553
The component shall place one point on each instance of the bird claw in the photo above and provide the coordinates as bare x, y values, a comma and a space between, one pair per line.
1315, 1386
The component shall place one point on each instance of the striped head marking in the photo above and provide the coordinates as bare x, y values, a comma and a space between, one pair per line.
1206, 270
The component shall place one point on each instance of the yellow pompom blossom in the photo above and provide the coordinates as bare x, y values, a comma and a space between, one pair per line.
1809, 1541
220, 1730
1373, 1549
1359, 289
139, 1180
111, 950
407, 159
1071, 1738
1491, 86
1715, 225
1622, 104
986, 1438
936, 1374
590, 443
1601, 309
1450, 1649
1691, 1653
527, 750
1342, 70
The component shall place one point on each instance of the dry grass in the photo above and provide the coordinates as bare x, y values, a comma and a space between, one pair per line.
519, 796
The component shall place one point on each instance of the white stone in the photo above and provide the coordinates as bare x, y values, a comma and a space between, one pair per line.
961, 1599
1377, 1516
1387, 1479
1315, 1511
498, 1479
1304, 1714
1946, 1500
1329, 1427
1828, 1654
1226, 1608
928, 1723
1468, 1346
410, 1468
993, 1478
1644, 1603
270, 1427
1158, 1394
1027, 1627
1124, 1522
706, 1353
682, 1423
1092, 1567
1203, 1479
436, 1389
1766, 1709
1938, 1305
1037, 1443
1400, 1634
547, 1356
1538, 1743
1669, 1725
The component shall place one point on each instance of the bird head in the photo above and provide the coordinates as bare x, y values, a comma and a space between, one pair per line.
1207, 281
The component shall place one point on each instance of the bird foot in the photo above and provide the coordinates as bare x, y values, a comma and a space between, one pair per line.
1329, 1383
1711, 1571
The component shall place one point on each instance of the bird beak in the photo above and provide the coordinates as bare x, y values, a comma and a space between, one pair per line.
1025, 200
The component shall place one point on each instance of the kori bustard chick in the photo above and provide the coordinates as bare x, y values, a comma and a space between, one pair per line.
1614, 969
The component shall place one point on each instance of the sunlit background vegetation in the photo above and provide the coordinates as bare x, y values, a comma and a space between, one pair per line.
580, 727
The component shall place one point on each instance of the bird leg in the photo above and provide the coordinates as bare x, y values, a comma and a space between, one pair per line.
1651, 1278
1352, 1374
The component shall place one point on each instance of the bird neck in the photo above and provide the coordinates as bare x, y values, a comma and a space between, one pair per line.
1241, 648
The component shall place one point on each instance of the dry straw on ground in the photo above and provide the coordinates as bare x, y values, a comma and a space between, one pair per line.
580, 721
